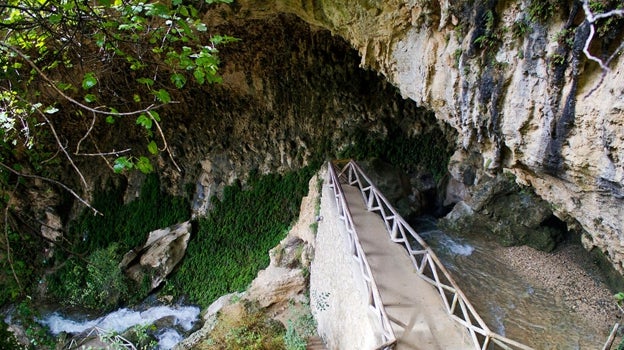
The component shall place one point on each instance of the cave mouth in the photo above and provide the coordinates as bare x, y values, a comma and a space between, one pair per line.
295, 95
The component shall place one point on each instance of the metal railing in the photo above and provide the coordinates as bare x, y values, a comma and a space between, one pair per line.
427, 263
374, 299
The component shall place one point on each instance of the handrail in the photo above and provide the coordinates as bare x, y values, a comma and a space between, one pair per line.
427, 264
374, 298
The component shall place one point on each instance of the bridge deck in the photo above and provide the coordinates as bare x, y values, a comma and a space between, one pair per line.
415, 308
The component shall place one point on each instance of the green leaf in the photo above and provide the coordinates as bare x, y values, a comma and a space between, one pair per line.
162, 95
136, 98
64, 86
146, 81
222, 39
55, 18
144, 165
199, 75
178, 80
184, 11
89, 81
154, 115
121, 164
152, 147
201, 27
90, 98
110, 119
144, 121
50, 110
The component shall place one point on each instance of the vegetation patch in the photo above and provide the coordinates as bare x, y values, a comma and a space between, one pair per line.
93, 278
128, 224
232, 242
17, 264
245, 326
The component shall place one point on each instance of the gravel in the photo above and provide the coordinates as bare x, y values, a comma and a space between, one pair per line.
570, 274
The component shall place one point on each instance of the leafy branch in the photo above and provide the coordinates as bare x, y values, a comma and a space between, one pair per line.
45, 43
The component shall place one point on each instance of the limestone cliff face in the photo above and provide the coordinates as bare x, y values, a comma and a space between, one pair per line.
511, 78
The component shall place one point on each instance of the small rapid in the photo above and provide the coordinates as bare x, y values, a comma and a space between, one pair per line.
511, 305
179, 320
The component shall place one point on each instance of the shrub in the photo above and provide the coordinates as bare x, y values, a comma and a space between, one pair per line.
99, 285
7, 339
245, 327
300, 329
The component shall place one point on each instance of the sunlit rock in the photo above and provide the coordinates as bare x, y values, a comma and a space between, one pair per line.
158, 256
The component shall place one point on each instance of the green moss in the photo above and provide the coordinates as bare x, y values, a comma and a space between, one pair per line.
614, 279
232, 242
128, 224
21, 264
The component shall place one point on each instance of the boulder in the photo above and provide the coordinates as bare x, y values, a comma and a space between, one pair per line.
162, 251
275, 286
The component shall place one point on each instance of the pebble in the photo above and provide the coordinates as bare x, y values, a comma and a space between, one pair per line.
569, 272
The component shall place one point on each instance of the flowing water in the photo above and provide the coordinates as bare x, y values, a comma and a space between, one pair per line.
509, 304
180, 320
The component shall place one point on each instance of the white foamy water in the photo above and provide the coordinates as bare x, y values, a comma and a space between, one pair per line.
122, 319
168, 339
458, 248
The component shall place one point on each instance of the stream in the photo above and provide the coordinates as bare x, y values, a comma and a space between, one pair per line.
172, 322
509, 304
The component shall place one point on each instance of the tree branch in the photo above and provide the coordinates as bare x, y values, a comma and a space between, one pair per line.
47, 179
591, 19
69, 98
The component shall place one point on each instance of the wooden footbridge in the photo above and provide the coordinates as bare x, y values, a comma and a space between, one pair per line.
415, 300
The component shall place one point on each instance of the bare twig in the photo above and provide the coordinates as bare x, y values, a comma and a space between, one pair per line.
103, 154
611, 338
64, 150
47, 179
591, 19
86, 134
165, 147
8, 247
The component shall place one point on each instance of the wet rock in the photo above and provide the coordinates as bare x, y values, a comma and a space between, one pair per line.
158, 256
395, 185
460, 211
165, 322
514, 215
53, 225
